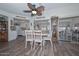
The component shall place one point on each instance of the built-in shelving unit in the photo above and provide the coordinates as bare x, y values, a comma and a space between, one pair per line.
3, 28
69, 29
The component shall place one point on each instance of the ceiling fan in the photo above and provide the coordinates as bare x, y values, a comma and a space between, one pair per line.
33, 10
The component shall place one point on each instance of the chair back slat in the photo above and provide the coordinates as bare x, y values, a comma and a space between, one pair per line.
38, 35
29, 34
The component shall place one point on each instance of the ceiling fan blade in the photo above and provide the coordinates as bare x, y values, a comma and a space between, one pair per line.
41, 8
39, 13
27, 11
29, 5
32, 7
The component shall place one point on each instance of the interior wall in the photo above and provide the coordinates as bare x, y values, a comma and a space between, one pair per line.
64, 11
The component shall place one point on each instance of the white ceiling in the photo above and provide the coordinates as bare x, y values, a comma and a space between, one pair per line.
17, 8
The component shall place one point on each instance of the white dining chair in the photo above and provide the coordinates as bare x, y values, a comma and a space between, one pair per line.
48, 38
29, 37
38, 37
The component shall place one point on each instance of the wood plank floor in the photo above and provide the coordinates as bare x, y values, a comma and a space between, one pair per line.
17, 48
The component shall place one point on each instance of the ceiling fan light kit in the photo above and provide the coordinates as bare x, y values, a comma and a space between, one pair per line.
34, 12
